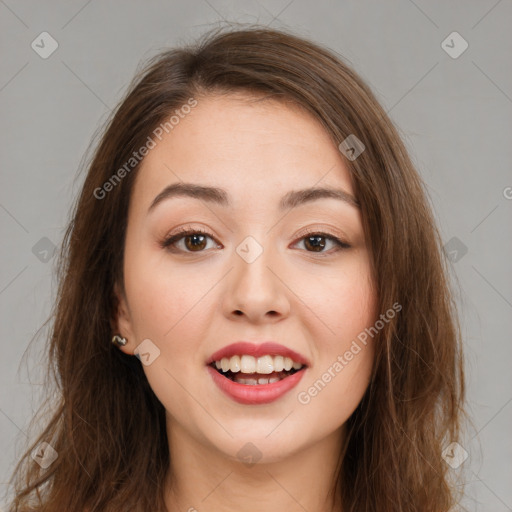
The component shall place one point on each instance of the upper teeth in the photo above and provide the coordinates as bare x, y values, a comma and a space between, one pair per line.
263, 364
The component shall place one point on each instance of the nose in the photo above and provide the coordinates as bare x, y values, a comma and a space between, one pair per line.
256, 290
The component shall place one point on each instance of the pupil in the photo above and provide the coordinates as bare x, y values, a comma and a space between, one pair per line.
195, 237
316, 247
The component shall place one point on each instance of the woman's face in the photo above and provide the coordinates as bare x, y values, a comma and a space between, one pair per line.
261, 273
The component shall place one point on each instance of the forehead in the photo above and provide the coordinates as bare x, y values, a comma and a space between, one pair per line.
249, 146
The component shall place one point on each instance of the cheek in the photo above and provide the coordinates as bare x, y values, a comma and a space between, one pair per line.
349, 309
343, 304
164, 302
332, 394
169, 308
344, 350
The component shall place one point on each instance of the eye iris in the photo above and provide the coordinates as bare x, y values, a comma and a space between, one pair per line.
195, 237
317, 238
196, 241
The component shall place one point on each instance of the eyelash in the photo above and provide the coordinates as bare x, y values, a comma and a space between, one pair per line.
184, 232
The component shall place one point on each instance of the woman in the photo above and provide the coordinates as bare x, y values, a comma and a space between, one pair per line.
255, 241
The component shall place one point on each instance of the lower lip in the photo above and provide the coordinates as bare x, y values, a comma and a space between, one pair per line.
257, 394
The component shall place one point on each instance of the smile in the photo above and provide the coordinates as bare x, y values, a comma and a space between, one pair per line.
246, 369
256, 380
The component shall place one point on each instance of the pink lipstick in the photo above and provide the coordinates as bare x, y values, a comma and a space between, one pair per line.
256, 374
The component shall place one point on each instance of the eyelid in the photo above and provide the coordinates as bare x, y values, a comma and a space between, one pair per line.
169, 240
339, 242
181, 233
327, 232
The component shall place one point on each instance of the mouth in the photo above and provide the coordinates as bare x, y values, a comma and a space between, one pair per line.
256, 380
251, 371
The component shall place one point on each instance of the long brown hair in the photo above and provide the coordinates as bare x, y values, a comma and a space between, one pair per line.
108, 427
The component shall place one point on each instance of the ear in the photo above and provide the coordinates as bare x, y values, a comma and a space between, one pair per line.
122, 321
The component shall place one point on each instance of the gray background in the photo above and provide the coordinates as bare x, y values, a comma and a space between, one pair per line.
454, 114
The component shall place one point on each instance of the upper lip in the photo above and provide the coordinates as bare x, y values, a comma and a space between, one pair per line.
252, 349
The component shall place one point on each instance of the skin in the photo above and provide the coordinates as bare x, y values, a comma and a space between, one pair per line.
186, 303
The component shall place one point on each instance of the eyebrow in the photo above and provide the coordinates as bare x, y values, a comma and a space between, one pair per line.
220, 197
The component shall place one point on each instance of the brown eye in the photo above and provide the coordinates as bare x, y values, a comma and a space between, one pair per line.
193, 241
316, 243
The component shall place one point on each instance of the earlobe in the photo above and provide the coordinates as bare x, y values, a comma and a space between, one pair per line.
122, 322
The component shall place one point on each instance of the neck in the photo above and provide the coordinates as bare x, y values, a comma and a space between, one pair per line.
201, 478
